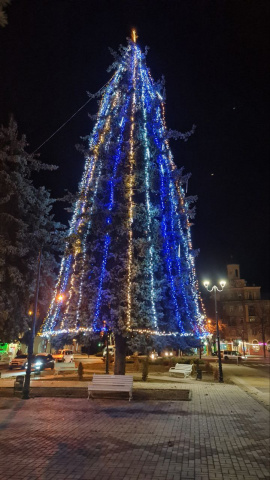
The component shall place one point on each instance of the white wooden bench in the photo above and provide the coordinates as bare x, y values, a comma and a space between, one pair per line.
182, 368
111, 383
64, 367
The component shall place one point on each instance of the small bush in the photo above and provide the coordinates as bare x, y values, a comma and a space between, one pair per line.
80, 371
215, 372
129, 360
145, 370
208, 368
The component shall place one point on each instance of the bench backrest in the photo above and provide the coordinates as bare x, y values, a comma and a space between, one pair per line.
126, 380
183, 366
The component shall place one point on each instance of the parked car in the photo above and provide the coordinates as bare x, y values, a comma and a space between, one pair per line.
111, 353
18, 362
231, 355
42, 361
153, 355
63, 356
167, 353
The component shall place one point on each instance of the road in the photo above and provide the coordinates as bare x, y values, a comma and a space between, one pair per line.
92, 359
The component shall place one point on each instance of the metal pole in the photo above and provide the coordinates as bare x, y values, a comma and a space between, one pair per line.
107, 355
220, 373
26, 387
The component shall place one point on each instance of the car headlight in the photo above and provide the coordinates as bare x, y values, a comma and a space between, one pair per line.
38, 364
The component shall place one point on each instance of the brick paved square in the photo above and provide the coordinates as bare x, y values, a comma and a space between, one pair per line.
221, 434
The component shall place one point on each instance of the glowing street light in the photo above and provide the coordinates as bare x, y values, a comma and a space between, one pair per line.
215, 289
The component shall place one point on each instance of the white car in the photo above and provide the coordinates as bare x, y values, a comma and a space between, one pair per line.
231, 355
64, 356
153, 355
111, 353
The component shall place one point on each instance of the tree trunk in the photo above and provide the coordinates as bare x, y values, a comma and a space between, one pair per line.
120, 355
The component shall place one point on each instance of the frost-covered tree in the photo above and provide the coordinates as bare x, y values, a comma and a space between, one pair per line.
26, 226
3, 15
129, 264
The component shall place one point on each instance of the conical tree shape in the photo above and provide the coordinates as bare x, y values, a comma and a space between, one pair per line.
129, 263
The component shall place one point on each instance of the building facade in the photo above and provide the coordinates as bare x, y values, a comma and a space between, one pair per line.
245, 316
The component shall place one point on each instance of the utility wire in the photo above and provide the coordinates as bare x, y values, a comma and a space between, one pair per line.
56, 131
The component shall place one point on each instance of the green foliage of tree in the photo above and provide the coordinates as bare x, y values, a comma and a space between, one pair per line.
3, 15
26, 226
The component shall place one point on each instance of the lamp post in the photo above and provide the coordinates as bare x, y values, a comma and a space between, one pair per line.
26, 387
215, 289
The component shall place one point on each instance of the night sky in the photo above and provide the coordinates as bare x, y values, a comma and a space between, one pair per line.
215, 59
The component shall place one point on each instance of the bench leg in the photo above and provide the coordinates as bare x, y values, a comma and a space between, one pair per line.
130, 396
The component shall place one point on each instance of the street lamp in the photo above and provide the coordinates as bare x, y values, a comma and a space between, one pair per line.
26, 387
215, 289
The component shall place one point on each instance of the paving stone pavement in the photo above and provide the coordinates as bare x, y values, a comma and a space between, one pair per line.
221, 434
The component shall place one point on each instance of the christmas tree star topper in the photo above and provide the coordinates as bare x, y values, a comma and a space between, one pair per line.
134, 35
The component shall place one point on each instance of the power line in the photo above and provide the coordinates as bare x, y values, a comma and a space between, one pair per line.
56, 131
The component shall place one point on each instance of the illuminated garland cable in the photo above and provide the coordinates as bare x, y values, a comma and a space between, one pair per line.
110, 206
169, 262
200, 318
174, 212
81, 202
147, 195
66, 263
189, 258
83, 187
174, 216
130, 185
85, 246
188, 244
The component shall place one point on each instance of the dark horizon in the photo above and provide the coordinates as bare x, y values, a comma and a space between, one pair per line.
215, 62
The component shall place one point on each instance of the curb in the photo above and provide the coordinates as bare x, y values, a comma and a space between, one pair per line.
262, 398
81, 392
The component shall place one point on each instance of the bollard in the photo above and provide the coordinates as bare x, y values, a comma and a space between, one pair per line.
18, 384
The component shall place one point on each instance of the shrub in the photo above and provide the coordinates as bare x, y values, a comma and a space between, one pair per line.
129, 360
80, 371
208, 368
215, 372
145, 369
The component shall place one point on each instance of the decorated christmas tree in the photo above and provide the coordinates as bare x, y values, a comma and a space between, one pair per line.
129, 265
